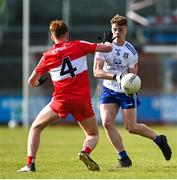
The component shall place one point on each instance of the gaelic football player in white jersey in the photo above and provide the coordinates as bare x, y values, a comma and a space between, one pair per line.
112, 67
66, 63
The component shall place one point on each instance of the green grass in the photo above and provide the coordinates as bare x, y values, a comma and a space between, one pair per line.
57, 155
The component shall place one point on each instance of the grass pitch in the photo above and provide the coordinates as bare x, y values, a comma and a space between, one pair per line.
57, 155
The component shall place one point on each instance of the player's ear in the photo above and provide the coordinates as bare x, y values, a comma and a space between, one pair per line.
111, 29
126, 29
52, 38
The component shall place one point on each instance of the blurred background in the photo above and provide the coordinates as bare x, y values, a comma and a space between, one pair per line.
24, 36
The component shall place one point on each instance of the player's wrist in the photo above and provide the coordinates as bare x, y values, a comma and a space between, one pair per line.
41, 81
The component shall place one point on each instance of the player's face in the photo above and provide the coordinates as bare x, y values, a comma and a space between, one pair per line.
119, 31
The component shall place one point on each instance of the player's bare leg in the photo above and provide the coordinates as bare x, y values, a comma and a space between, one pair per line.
129, 116
44, 118
90, 129
108, 114
130, 119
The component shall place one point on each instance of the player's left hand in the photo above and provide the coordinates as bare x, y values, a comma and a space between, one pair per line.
42, 80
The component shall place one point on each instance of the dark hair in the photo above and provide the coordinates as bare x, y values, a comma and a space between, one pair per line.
58, 28
119, 20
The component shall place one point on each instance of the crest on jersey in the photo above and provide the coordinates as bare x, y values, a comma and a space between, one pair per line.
117, 52
125, 56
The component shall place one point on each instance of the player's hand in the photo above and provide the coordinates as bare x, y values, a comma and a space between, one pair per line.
42, 80
118, 77
107, 37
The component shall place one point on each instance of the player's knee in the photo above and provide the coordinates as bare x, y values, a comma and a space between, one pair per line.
37, 126
107, 124
131, 129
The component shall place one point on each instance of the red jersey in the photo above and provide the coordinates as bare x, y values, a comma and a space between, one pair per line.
67, 65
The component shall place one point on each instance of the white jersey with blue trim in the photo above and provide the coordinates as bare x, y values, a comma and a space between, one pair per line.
119, 60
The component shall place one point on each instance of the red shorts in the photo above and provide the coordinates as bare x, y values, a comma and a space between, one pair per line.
79, 109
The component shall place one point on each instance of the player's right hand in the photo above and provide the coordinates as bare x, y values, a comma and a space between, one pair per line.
107, 37
118, 77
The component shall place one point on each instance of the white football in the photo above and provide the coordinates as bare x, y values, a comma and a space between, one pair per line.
130, 83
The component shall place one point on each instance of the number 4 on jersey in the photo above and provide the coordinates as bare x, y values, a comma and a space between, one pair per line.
70, 70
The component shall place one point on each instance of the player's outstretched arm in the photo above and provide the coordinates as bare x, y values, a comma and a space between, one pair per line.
106, 47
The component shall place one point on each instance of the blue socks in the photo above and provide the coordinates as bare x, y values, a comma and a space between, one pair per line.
122, 154
157, 140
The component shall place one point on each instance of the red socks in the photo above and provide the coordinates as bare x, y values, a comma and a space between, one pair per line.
87, 150
30, 159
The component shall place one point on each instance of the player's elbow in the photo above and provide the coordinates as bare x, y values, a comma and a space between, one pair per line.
96, 73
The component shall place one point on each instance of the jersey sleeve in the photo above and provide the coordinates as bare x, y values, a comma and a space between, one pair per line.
41, 68
133, 60
100, 56
87, 47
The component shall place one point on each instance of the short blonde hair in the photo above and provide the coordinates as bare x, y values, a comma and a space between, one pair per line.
58, 28
119, 20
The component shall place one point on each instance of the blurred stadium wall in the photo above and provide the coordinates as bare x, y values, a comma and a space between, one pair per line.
152, 30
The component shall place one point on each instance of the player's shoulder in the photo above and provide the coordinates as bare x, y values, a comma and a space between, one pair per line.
86, 42
73, 42
77, 42
130, 47
50, 53
82, 42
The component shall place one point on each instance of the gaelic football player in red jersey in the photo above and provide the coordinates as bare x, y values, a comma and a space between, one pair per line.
67, 66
